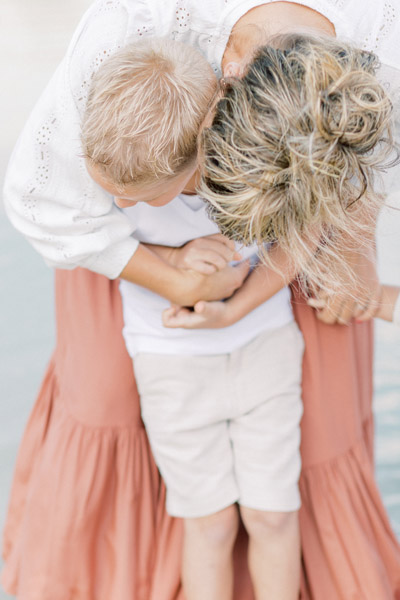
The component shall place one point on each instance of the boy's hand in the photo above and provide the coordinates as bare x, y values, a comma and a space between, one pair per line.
216, 286
205, 315
205, 255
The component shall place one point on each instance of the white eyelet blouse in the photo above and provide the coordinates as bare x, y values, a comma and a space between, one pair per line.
50, 198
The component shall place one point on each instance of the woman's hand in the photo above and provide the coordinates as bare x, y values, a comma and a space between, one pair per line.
205, 315
362, 302
219, 285
205, 255
341, 308
182, 286
262, 283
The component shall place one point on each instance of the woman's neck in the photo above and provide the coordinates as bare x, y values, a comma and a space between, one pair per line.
259, 24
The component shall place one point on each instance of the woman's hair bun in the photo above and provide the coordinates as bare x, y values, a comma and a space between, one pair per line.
342, 96
295, 147
353, 108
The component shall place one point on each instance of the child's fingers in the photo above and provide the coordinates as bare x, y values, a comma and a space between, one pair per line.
170, 312
243, 269
208, 260
214, 257
175, 316
207, 310
200, 307
204, 267
220, 250
240, 272
173, 309
202, 247
223, 239
182, 318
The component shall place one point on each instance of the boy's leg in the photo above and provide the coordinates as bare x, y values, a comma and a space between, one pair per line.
265, 438
274, 553
207, 569
185, 417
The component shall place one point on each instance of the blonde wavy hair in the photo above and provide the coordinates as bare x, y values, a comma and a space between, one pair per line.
145, 107
293, 153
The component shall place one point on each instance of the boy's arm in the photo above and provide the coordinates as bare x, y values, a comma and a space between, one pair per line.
181, 286
263, 282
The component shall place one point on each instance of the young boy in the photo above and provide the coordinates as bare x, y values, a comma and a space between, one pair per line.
222, 407
139, 135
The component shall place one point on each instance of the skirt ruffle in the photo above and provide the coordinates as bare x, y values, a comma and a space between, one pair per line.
86, 518
349, 549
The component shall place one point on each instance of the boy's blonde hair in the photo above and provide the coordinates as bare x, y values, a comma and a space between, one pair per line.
294, 150
144, 111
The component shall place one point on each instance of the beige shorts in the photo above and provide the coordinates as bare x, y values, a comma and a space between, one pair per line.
226, 428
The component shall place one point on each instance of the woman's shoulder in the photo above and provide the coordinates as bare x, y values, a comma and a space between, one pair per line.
180, 15
107, 26
198, 23
371, 24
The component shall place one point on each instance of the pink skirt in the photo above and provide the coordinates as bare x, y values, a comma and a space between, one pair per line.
86, 518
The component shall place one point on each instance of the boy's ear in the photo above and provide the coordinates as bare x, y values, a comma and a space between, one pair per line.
233, 69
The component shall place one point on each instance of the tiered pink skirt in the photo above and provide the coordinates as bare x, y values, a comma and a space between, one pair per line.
86, 519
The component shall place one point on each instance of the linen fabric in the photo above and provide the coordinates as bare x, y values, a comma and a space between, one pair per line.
226, 428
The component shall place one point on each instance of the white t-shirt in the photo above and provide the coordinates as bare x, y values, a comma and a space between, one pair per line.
174, 224
50, 197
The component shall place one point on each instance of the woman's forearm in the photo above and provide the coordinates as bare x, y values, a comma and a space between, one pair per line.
180, 286
166, 253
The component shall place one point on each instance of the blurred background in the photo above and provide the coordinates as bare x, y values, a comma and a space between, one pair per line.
33, 38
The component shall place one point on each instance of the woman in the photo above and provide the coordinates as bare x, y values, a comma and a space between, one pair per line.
112, 538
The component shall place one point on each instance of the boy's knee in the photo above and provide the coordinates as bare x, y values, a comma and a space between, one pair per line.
217, 530
266, 523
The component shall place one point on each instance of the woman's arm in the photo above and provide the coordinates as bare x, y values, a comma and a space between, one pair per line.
263, 282
48, 195
181, 286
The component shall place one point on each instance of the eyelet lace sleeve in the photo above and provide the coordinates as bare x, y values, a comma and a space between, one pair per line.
49, 196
